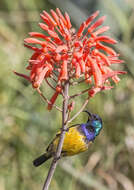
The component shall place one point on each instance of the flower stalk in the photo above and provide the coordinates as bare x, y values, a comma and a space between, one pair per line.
61, 140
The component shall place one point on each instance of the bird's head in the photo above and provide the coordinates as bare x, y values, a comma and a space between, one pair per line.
94, 122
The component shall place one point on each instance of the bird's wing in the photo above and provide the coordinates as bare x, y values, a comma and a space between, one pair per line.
73, 126
50, 146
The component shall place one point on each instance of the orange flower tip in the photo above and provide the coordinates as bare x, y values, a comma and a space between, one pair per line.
107, 49
120, 72
113, 75
52, 100
92, 17
61, 17
116, 79
93, 91
22, 75
101, 30
49, 107
96, 13
89, 80
33, 61
37, 35
71, 106
50, 18
101, 20
106, 39
32, 33
45, 19
107, 87
30, 40
30, 47
68, 20
53, 13
44, 12
41, 15
35, 85
81, 29
44, 26
33, 41
58, 89
117, 61
96, 24
102, 56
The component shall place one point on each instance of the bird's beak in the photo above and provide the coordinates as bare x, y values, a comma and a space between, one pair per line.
89, 115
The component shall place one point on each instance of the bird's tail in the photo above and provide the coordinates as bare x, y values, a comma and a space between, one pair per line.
41, 159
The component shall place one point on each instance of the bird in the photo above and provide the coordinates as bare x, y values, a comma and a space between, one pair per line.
78, 138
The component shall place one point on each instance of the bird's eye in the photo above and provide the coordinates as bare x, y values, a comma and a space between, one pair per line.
95, 117
91, 129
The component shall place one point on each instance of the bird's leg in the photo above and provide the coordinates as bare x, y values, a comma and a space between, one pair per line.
57, 158
66, 130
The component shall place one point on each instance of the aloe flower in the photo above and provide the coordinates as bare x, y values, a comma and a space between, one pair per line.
62, 54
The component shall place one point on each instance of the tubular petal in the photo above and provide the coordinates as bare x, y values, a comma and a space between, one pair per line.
93, 91
50, 18
96, 24
53, 13
81, 29
106, 39
45, 19
103, 57
44, 26
91, 18
107, 49
96, 72
82, 66
22, 75
32, 48
101, 30
40, 77
52, 100
78, 70
68, 20
34, 41
64, 73
61, 16
39, 35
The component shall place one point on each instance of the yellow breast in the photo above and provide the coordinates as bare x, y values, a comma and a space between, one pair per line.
74, 142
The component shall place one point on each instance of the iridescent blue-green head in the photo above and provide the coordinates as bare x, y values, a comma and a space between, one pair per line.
94, 122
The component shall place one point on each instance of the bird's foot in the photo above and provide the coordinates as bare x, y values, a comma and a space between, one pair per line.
66, 130
57, 158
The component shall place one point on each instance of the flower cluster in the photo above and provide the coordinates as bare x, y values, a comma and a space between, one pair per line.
67, 54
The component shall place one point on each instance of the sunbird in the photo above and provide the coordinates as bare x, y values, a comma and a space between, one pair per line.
77, 139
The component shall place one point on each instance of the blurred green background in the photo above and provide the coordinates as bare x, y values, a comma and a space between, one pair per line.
26, 126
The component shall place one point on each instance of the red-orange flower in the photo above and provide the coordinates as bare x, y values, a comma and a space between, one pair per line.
68, 54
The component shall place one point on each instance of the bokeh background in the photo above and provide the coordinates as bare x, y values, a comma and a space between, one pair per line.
26, 126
